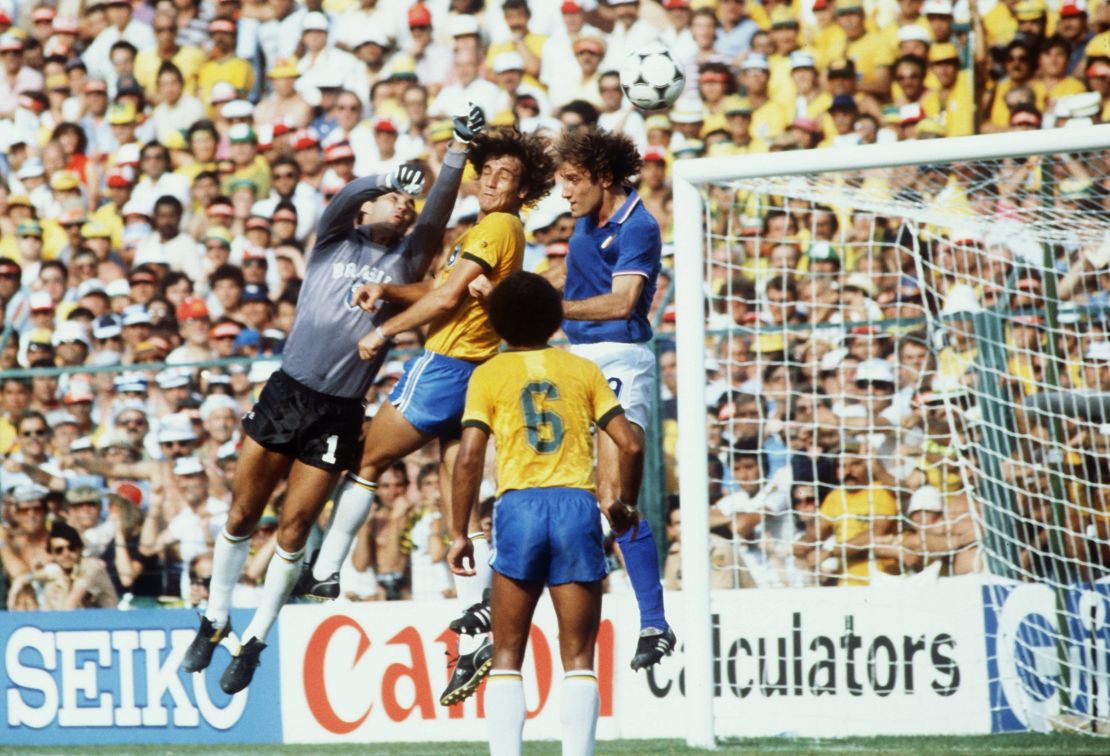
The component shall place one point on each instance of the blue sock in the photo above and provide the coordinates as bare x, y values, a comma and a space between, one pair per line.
642, 562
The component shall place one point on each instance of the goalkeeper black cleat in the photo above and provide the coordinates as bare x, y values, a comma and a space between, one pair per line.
321, 590
470, 670
199, 654
653, 645
240, 672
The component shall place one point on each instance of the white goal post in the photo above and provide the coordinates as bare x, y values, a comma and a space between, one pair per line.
691, 178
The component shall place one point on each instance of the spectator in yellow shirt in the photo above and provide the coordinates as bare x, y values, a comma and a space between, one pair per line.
738, 116
941, 20
222, 64
951, 103
187, 58
525, 43
870, 52
1052, 73
768, 117
1021, 65
1000, 24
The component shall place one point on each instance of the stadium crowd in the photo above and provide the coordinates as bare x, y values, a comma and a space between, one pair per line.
164, 164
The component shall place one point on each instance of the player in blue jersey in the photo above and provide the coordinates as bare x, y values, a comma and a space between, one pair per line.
608, 282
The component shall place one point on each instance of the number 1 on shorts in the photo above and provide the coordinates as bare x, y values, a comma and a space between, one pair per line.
329, 453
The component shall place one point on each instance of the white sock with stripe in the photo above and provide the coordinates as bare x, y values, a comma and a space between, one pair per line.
281, 576
228, 558
579, 712
353, 499
505, 711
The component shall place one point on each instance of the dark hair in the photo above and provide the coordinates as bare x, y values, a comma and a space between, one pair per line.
516, 5
425, 470
1056, 41
123, 44
169, 67
202, 125
229, 273
31, 414
538, 169
525, 309
173, 277
171, 201
914, 60
585, 110
77, 131
602, 154
56, 264
288, 161
61, 530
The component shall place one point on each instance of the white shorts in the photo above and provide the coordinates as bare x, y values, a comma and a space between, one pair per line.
630, 371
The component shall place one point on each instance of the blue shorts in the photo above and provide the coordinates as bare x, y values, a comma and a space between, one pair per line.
431, 394
551, 535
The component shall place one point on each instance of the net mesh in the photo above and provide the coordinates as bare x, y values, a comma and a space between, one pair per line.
909, 380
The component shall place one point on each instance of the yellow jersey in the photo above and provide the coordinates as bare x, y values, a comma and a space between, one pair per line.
540, 405
853, 512
496, 243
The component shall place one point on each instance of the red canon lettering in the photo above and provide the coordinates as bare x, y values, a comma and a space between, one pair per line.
418, 673
315, 691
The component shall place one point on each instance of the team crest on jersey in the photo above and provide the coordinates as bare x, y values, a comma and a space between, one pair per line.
454, 255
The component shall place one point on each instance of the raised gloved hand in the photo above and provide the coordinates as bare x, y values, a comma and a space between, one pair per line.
469, 124
408, 179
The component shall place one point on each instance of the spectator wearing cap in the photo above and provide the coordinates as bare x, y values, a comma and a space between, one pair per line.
169, 245
16, 77
1071, 26
322, 65
194, 323
768, 118
509, 75
872, 54
179, 531
785, 36
432, 59
121, 28
256, 308
653, 189
951, 103
249, 165
176, 108
222, 65
81, 510
26, 542
149, 62
468, 87
583, 83
220, 415
284, 105
894, 32
71, 343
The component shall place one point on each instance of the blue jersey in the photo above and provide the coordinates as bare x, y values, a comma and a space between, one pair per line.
628, 244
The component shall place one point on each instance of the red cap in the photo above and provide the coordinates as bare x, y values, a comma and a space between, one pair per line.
1067, 10
303, 139
224, 330
143, 276
419, 15
4, 17
382, 123
675, 4
119, 178
79, 392
9, 266
42, 14
339, 151
251, 252
130, 492
221, 25
281, 127
654, 155
256, 221
570, 7
191, 308
720, 76
1098, 68
669, 314
820, 4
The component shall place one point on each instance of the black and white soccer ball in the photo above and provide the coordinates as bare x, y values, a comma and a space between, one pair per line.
650, 77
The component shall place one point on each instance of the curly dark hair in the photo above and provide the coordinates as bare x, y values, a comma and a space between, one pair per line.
605, 155
525, 309
539, 168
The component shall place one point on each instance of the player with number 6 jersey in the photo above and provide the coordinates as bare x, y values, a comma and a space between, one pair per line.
307, 422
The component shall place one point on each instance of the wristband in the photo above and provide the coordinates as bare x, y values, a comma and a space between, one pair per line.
381, 334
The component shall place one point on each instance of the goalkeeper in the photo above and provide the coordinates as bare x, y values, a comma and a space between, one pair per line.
307, 424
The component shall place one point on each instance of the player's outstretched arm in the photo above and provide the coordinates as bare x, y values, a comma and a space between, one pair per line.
464, 493
339, 216
622, 513
439, 301
616, 305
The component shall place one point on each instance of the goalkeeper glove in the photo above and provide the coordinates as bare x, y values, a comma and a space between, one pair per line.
470, 124
406, 178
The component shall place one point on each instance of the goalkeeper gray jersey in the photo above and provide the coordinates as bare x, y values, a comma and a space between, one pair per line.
322, 349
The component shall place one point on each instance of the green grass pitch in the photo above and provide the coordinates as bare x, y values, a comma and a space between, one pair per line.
1024, 744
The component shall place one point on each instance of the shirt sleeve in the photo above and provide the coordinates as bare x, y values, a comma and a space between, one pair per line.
641, 249
487, 243
478, 412
604, 402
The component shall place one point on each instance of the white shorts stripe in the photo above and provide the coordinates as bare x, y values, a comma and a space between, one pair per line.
410, 386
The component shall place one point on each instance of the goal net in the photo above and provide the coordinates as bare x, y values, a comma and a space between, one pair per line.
903, 374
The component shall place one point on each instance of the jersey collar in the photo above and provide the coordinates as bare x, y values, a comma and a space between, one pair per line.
619, 217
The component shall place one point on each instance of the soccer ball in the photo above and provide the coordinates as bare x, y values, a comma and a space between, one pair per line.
650, 78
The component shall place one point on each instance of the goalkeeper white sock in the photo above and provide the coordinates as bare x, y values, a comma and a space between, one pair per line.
353, 499
505, 711
281, 575
228, 558
579, 712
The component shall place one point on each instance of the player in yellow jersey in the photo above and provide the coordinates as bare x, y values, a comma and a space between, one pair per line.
514, 170
539, 404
